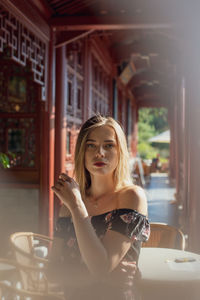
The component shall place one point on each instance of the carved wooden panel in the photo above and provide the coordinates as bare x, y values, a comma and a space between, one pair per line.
100, 89
18, 92
19, 113
24, 46
75, 83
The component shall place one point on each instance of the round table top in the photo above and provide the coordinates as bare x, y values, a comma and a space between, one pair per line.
163, 264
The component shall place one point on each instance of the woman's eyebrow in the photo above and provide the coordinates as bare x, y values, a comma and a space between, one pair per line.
106, 141
90, 140
109, 141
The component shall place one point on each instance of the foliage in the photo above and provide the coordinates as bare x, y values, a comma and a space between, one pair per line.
152, 121
4, 160
7, 160
146, 151
155, 117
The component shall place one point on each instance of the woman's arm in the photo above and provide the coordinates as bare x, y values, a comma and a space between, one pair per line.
101, 257
77, 275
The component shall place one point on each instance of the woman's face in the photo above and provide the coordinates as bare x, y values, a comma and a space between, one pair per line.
101, 152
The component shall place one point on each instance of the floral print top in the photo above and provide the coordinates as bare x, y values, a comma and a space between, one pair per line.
126, 221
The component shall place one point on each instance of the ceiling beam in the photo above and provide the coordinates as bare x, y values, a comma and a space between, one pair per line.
72, 36
144, 47
151, 89
44, 9
109, 22
152, 101
149, 75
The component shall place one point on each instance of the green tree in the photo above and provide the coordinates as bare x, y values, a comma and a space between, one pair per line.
152, 121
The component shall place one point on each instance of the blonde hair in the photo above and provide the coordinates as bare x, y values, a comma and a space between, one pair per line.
121, 174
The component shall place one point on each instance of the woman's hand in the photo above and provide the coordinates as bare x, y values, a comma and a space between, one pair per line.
123, 274
67, 190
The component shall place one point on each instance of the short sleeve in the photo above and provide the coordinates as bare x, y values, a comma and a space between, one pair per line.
131, 224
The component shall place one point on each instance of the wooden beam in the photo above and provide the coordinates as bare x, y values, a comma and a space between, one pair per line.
108, 22
145, 47
149, 75
44, 9
151, 89
73, 38
153, 102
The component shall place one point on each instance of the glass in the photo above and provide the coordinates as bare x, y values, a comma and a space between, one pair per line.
16, 140
17, 89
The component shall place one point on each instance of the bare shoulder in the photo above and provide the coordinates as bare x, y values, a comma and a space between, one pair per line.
133, 197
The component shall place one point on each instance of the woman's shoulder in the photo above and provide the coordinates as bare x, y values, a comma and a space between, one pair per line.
133, 197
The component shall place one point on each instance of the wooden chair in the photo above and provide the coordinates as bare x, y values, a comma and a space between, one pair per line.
8, 292
163, 235
9, 271
11, 283
26, 246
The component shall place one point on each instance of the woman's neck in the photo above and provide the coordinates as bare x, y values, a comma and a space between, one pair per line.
100, 186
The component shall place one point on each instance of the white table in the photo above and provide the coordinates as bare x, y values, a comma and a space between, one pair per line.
159, 264
163, 277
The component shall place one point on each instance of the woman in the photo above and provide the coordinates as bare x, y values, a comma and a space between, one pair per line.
102, 238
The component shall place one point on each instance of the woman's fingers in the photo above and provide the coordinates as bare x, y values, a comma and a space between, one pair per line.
64, 177
58, 185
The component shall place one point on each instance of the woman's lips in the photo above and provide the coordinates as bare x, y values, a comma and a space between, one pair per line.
99, 164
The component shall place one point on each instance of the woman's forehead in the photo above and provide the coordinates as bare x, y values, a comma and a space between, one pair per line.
104, 132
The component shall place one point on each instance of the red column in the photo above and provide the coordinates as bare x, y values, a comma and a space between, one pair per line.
172, 144
87, 81
60, 115
51, 133
46, 209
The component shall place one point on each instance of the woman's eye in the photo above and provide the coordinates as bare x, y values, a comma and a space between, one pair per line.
92, 146
109, 146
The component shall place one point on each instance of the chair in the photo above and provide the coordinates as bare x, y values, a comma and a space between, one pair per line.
31, 252
163, 235
8, 292
11, 285
9, 271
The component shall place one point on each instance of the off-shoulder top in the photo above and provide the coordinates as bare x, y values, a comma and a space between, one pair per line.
126, 221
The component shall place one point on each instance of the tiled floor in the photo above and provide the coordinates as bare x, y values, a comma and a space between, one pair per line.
160, 196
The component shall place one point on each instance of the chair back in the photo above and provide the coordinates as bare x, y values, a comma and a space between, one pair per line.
9, 292
163, 235
23, 246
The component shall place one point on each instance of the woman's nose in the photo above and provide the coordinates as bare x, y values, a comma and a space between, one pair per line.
100, 152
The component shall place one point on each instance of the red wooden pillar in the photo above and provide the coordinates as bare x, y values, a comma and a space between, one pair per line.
51, 120
60, 115
193, 150
172, 144
47, 148
87, 81
176, 153
134, 140
192, 142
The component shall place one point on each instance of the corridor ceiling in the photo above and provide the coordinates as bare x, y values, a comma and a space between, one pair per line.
145, 34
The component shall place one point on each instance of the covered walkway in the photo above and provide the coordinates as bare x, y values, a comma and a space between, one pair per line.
161, 200
62, 61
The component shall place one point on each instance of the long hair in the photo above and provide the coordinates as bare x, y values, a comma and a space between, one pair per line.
121, 174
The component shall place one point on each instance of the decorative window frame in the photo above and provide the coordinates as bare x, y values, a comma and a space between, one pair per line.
25, 46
